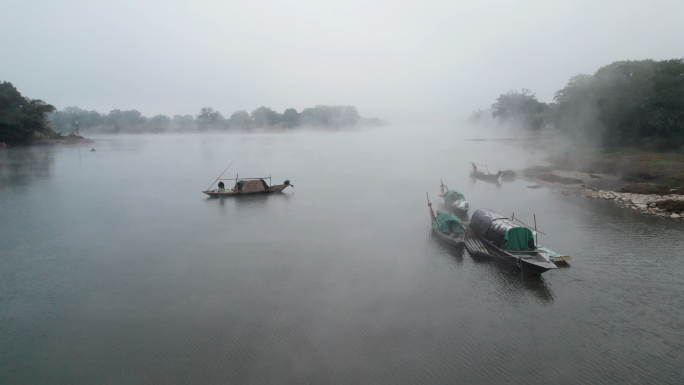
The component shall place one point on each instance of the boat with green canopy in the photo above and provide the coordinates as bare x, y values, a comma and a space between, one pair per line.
492, 234
447, 227
453, 199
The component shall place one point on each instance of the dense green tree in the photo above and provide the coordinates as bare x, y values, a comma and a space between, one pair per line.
330, 116
65, 121
265, 117
521, 109
182, 122
208, 118
240, 120
626, 103
21, 118
291, 117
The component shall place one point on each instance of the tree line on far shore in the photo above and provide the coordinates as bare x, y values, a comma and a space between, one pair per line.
117, 121
626, 103
24, 120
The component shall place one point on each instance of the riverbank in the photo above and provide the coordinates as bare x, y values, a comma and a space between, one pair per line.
649, 182
69, 139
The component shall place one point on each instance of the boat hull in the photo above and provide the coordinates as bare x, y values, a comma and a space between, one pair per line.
526, 263
457, 241
272, 189
483, 176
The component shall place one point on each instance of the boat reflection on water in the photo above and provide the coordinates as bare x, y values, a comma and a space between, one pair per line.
455, 251
22, 165
248, 203
509, 281
474, 180
512, 281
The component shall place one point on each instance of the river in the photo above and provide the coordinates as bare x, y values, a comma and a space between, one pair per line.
115, 268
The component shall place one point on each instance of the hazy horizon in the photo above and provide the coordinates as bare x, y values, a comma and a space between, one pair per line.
397, 61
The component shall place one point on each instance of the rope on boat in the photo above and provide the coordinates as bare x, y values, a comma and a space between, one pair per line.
576, 279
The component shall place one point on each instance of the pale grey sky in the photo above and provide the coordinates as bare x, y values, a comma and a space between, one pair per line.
391, 59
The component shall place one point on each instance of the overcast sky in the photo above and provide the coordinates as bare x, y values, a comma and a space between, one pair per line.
391, 59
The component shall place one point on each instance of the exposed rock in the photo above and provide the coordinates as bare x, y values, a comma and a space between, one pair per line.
675, 216
652, 205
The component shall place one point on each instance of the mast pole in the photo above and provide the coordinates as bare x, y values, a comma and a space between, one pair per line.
536, 236
224, 171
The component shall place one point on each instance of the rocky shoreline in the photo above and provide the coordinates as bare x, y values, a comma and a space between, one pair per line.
670, 206
656, 205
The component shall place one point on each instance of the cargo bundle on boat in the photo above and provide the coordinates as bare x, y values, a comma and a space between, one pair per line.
492, 234
447, 227
453, 199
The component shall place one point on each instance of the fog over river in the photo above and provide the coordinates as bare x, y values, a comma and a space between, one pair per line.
115, 268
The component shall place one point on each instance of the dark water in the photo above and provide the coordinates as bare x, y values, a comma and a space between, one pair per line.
114, 268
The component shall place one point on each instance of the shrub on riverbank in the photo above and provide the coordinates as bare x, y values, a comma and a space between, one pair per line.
508, 174
648, 189
663, 170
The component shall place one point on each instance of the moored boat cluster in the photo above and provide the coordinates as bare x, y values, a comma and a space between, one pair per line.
662, 206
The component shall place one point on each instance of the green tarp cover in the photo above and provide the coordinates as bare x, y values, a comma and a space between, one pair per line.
519, 238
453, 196
447, 223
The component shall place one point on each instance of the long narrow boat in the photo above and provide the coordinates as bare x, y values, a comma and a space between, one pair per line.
453, 199
480, 174
246, 186
447, 227
492, 234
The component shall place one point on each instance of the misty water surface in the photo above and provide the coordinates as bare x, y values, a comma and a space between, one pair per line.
115, 268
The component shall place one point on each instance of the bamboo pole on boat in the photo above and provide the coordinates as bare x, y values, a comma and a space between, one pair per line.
432, 214
536, 235
513, 217
224, 171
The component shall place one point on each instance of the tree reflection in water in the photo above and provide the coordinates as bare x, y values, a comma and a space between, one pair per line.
19, 166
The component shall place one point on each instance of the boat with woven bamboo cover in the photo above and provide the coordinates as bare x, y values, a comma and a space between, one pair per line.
492, 234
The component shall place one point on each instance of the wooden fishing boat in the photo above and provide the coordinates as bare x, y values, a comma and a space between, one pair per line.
483, 174
453, 199
493, 235
246, 186
251, 186
447, 227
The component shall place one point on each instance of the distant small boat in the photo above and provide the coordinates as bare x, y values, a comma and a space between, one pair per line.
453, 199
245, 186
447, 227
493, 235
483, 174
93, 149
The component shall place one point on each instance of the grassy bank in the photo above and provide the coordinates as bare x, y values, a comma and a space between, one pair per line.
648, 172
